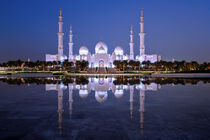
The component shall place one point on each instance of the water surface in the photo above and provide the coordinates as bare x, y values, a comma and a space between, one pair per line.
104, 108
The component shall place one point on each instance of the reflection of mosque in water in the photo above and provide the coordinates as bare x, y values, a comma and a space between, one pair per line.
101, 86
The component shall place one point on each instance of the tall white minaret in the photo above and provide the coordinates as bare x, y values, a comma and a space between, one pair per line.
142, 34
60, 36
131, 44
70, 44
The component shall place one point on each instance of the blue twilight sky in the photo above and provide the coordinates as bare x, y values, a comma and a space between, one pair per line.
174, 28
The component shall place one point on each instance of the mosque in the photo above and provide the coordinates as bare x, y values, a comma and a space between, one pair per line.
101, 58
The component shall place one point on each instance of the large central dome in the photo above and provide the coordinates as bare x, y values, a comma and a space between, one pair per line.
101, 48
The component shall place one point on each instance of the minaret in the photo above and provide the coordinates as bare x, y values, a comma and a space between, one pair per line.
142, 34
70, 44
60, 37
141, 109
131, 44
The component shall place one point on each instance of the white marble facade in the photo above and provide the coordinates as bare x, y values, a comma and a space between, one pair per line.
101, 58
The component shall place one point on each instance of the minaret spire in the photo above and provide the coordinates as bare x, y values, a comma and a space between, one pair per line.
60, 12
71, 44
60, 37
142, 34
131, 44
142, 12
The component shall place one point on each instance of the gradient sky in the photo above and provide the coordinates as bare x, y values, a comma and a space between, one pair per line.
174, 28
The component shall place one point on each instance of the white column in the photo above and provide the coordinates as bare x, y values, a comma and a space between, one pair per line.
60, 36
70, 44
131, 44
142, 35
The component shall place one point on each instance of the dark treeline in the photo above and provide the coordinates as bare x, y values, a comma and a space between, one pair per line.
126, 66
46, 66
176, 66
121, 80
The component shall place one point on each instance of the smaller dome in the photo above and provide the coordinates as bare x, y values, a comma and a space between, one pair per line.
83, 50
118, 50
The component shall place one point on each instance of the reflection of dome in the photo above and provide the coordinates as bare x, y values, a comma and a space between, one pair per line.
118, 50
101, 48
101, 96
118, 93
83, 93
83, 50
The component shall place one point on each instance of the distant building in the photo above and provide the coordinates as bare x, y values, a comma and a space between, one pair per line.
101, 58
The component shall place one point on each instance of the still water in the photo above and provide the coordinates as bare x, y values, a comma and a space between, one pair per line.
104, 108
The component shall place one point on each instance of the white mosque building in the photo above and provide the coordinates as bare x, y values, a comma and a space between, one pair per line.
101, 58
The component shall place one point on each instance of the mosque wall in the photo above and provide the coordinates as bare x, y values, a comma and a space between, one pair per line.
101, 60
50, 57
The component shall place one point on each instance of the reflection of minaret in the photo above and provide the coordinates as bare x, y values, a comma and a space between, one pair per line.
60, 109
131, 44
141, 109
70, 45
70, 101
142, 34
59, 87
131, 101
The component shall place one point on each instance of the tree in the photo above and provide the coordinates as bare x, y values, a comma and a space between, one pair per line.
131, 63
124, 65
117, 64
84, 65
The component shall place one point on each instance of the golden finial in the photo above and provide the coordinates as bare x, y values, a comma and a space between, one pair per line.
60, 12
